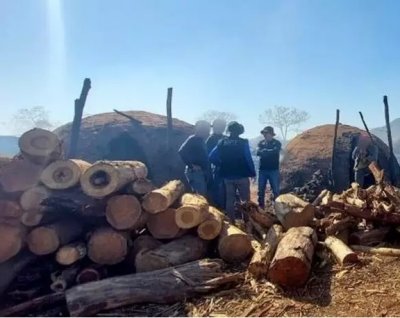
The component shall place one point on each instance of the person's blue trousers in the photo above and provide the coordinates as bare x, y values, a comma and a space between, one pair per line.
274, 180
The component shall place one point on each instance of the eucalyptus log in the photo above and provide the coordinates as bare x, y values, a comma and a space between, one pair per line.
210, 228
106, 177
385, 251
71, 253
161, 199
291, 264
64, 279
10, 209
31, 218
163, 225
163, 286
31, 199
343, 254
293, 211
144, 242
388, 218
12, 240
192, 212
124, 212
91, 273
252, 210
142, 186
63, 174
233, 245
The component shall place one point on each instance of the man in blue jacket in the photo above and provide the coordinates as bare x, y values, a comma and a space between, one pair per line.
233, 156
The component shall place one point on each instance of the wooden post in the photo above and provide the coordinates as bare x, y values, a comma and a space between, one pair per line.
332, 172
169, 117
366, 127
76, 123
390, 141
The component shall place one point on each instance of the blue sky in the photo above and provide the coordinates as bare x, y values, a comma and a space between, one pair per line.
229, 55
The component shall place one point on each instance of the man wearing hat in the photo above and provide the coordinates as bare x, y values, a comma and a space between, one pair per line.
232, 155
363, 154
268, 150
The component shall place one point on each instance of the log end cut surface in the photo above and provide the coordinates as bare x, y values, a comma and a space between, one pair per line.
11, 241
235, 248
162, 225
289, 272
155, 202
39, 142
100, 180
43, 241
123, 211
63, 174
209, 229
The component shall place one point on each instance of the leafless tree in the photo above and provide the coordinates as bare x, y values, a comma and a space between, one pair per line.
28, 118
211, 115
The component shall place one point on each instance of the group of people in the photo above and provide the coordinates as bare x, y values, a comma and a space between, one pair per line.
220, 166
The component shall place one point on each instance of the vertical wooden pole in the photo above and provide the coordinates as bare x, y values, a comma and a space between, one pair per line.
333, 161
390, 141
76, 123
169, 118
366, 127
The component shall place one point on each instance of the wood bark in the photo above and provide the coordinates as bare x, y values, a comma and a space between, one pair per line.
163, 286
233, 245
91, 273
262, 256
10, 209
63, 174
291, 264
106, 177
32, 198
183, 250
192, 212
293, 211
371, 237
71, 253
47, 239
107, 246
385, 251
389, 218
124, 212
64, 279
161, 199
12, 240
142, 186
210, 228
163, 225
252, 210
40, 146
343, 254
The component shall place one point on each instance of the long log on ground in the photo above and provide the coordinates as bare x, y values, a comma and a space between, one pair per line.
388, 218
71, 253
32, 198
163, 225
47, 239
371, 237
107, 246
12, 240
343, 254
385, 251
142, 186
262, 257
183, 250
106, 177
210, 228
161, 199
64, 279
193, 211
91, 273
10, 209
63, 174
124, 212
40, 146
291, 264
293, 211
163, 286
233, 245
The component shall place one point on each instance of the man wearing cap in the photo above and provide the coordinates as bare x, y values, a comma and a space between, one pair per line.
268, 150
232, 155
194, 154
217, 187
363, 154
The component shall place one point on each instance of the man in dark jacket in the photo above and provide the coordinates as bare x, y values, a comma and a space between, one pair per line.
233, 156
194, 154
363, 155
268, 151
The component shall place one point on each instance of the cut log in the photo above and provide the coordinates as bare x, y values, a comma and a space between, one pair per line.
19, 176
40, 146
144, 242
32, 198
163, 226
91, 274
293, 211
212, 226
63, 174
107, 246
193, 211
124, 212
70, 254
291, 264
142, 187
106, 177
233, 245
12, 240
320, 198
31, 218
389, 218
253, 210
376, 172
371, 237
258, 229
64, 279
384, 251
47, 239
161, 199
10, 209
262, 257
343, 254
163, 286
183, 250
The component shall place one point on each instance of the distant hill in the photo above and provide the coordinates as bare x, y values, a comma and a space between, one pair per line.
8, 146
381, 131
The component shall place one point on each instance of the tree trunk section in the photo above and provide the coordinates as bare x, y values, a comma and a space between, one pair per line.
64, 279
124, 212
145, 242
64, 174
163, 286
107, 246
233, 245
46, 239
384, 251
10, 209
106, 177
291, 264
210, 228
32, 198
12, 240
163, 226
183, 250
252, 210
193, 211
70, 254
293, 211
161, 199
142, 187
91, 274
343, 254
31, 218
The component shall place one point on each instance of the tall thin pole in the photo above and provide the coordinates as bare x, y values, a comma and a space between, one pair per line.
366, 127
169, 118
333, 161
390, 141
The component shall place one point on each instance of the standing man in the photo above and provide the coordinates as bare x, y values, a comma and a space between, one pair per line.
268, 151
232, 155
217, 187
363, 154
194, 154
